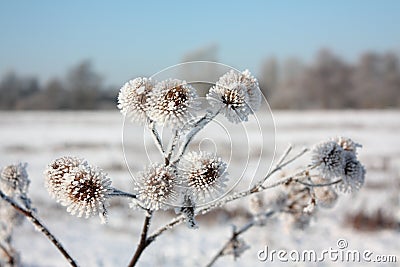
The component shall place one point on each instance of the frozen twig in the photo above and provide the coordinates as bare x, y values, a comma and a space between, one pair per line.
173, 145
235, 235
9, 254
156, 136
320, 185
40, 226
119, 193
200, 124
143, 242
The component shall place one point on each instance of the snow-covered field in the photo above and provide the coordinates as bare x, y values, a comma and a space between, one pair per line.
38, 138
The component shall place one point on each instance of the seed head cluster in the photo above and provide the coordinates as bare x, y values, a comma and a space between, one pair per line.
14, 180
337, 159
172, 103
236, 95
81, 187
155, 186
133, 98
205, 174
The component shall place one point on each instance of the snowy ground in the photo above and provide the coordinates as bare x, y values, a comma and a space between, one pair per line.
38, 138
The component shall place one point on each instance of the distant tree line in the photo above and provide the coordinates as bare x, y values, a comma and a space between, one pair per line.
328, 82
82, 88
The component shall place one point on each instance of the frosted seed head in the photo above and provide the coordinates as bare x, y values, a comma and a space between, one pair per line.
353, 174
86, 191
156, 186
326, 196
55, 172
173, 103
205, 175
329, 158
14, 180
236, 95
257, 204
133, 98
298, 205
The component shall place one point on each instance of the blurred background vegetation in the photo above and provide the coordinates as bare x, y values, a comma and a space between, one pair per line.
328, 82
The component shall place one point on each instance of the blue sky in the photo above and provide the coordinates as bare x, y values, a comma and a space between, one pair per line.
125, 39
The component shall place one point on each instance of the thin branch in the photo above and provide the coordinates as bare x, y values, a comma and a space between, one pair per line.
157, 139
200, 124
119, 193
320, 185
40, 226
284, 155
176, 221
143, 242
172, 147
234, 237
279, 166
11, 259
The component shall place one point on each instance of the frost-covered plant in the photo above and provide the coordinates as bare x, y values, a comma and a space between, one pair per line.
189, 182
14, 183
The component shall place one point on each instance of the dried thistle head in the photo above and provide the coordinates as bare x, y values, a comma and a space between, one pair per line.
298, 205
329, 159
86, 191
353, 174
347, 144
172, 103
14, 179
205, 175
326, 196
55, 174
236, 95
155, 186
253, 89
257, 204
133, 98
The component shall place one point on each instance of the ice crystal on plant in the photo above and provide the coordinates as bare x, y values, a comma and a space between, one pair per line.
156, 186
205, 174
56, 171
328, 157
173, 103
86, 191
133, 98
236, 95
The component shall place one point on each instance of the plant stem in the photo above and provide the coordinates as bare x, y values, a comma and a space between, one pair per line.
200, 124
119, 193
234, 237
143, 242
157, 139
172, 147
320, 185
40, 226
8, 254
